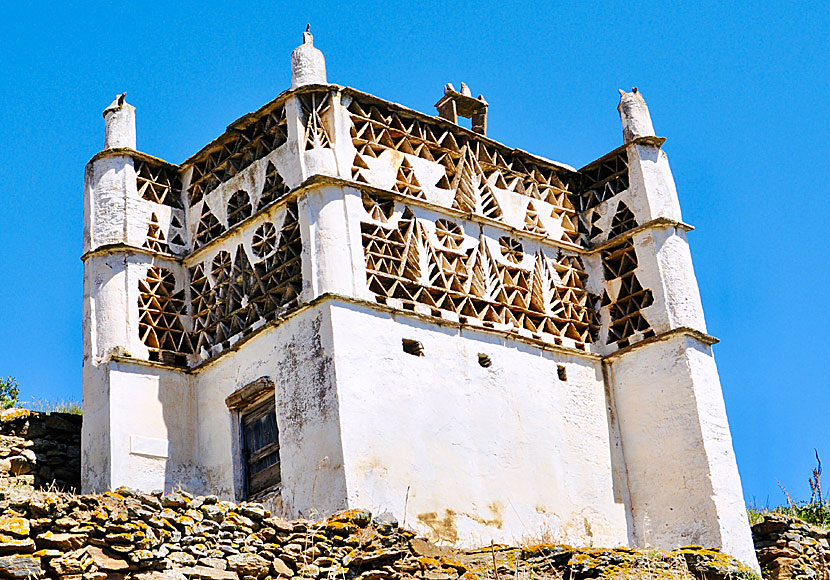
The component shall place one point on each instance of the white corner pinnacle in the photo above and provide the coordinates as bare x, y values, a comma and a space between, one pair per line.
308, 65
119, 120
636, 120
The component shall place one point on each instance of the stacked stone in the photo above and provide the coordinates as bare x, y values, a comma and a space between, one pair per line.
127, 534
40, 449
789, 549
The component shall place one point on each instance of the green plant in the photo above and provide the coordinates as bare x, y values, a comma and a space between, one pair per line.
9, 392
817, 510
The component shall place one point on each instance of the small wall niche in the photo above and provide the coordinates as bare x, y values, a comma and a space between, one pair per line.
562, 372
484, 360
412, 347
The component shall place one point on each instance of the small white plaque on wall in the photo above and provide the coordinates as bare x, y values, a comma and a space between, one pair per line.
149, 446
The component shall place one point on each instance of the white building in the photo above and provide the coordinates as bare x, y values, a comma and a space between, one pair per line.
342, 302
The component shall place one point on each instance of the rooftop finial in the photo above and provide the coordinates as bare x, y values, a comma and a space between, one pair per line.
636, 120
119, 123
308, 65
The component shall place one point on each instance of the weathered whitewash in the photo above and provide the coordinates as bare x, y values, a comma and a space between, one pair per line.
342, 302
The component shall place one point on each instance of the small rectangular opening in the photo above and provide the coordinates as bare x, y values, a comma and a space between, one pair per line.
563, 374
413, 347
484, 360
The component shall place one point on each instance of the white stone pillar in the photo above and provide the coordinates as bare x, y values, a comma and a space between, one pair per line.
683, 475
120, 124
308, 65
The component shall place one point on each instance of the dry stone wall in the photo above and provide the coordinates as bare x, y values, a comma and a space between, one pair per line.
126, 534
789, 549
40, 449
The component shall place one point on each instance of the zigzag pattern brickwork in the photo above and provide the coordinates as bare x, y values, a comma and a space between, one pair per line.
502, 288
158, 182
624, 296
236, 150
481, 174
499, 286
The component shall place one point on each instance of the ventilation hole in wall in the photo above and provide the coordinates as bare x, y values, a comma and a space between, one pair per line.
563, 374
484, 360
413, 347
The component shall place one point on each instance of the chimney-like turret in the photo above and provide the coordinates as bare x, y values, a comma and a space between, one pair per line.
634, 115
308, 65
456, 104
119, 119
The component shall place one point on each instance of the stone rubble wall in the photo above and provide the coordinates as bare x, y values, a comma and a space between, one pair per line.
40, 449
789, 549
126, 534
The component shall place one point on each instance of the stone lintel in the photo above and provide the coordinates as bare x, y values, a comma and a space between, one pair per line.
657, 223
128, 249
128, 152
706, 339
244, 396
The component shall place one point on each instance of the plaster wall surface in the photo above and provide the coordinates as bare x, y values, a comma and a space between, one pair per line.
652, 181
482, 454
677, 448
298, 356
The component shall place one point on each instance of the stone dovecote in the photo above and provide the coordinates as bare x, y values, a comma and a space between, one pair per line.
563, 377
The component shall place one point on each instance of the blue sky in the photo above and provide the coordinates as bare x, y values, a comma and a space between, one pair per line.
739, 89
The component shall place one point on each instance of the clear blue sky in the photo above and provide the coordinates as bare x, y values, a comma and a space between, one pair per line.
739, 89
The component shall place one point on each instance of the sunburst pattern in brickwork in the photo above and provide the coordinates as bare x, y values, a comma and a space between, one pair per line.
231, 296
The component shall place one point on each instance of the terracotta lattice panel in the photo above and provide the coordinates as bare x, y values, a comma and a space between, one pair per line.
158, 183
160, 312
236, 151
155, 237
231, 296
603, 179
624, 297
543, 293
473, 169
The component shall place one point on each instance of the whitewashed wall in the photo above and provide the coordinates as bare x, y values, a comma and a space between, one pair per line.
496, 453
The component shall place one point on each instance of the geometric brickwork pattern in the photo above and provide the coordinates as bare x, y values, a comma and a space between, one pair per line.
274, 187
603, 179
155, 237
315, 111
238, 207
624, 296
231, 294
480, 174
496, 286
236, 150
158, 183
160, 312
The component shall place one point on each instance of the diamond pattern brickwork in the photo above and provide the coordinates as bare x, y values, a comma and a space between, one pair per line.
160, 317
158, 182
476, 170
236, 150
